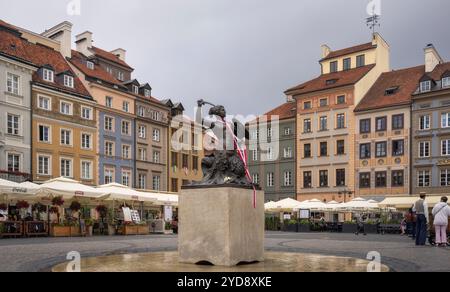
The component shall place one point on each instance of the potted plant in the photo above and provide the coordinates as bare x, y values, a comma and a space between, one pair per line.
89, 227
168, 228
22, 206
349, 227
290, 225
304, 226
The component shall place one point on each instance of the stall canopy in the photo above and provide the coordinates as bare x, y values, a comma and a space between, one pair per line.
118, 192
68, 189
408, 202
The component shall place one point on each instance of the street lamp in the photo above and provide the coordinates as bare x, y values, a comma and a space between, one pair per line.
345, 193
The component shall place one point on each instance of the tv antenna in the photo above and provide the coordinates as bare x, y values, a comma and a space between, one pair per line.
373, 21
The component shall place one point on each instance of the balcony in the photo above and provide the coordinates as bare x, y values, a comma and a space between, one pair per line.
15, 176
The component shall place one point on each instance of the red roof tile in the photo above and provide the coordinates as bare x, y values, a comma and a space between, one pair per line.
7, 25
440, 69
39, 55
109, 56
406, 82
285, 111
341, 78
348, 51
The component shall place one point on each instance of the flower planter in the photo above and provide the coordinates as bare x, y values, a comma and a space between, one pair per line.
75, 231
60, 231
168, 232
303, 228
371, 228
89, 231
349, 228
290, 228
129, 230
143, 230
111, 230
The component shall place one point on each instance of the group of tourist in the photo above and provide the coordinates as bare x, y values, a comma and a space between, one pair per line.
421, 222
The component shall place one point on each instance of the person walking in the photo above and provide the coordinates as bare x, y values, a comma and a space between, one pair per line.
441, 212
421, 210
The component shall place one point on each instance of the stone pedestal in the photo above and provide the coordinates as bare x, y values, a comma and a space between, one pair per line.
219, 225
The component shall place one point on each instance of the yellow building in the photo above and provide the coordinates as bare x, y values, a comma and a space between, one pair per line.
326, 121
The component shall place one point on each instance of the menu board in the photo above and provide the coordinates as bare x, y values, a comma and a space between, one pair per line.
168, 213
127, 214
135, 216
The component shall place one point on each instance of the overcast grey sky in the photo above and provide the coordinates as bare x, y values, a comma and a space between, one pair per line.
240, 53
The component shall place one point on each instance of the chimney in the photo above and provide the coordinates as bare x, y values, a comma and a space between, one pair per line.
432, 58
61, 33
325, 51
121, 53
84, 43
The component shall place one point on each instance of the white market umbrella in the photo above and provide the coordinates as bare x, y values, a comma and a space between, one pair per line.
118, 192
269, 205
312, 205
358, 204
68, 189
163, 199
332, 206
286, 205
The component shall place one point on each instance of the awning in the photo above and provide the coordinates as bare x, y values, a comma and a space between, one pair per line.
408, 202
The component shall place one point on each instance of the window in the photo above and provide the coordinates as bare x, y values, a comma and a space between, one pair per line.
48, 75
68, 81
445, 177
307, 179
66, 137
90, 65
425, 86
126, 152
126, 128
141, 111
381, 149
381, 124
156, 182
109, 175
347, 64
307, 126
445, 118
287, 131
109, 102
323, 149
360, 60
398, 122
86, 170
340, 121
86, 141
13, 125
147, 93
398, 147
255, 178
44, 134
365, 126
380, 179
156, 156
66, 108
340, 177
425, 122
424, 149
287, 152
445, 147
142, 154
364, 180
398, 178
340, 99
13, 162
109, 70
269, 132
120, 76
195, 163
135, 89
66, 167
44, 103
423, 178
255, 134
364, 151
174, 185
126, 178
155, 115
323, 175
331, 81
255, 155
109, 124
340, 147
323, 123
323, 102
86, 113
174, 159
13, 84
333, 67
445, 82
185, 161
44, 165
142, 181
391, 91
142, 132
287, 178
156, 135
270, 153
307, 105
307, 151
109, 149
126, 106
270, 179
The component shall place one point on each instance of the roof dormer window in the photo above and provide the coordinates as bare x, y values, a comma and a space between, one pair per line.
48, 75
90, 65
331, 81
68, 81
333, 67
347, 64
391, 91
445, 82
120, 76
425, 86
147, 93
135, 89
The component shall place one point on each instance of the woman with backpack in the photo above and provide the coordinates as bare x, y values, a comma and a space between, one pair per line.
441, 212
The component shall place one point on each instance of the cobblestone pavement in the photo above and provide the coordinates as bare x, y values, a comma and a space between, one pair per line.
397, 252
